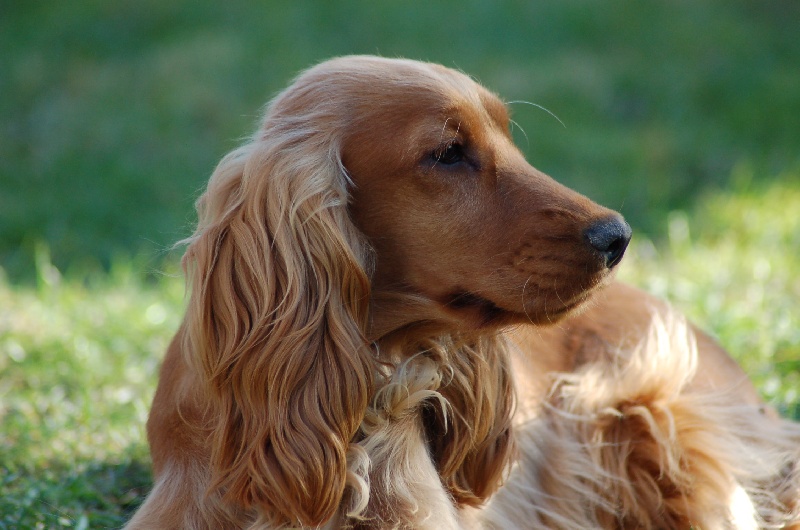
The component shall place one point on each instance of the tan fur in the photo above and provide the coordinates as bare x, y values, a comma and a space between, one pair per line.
634, 438
360, 303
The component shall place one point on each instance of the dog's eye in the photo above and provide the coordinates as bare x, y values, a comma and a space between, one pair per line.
449, 154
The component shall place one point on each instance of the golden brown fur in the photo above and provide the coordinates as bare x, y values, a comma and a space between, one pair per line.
344, 360
643, 422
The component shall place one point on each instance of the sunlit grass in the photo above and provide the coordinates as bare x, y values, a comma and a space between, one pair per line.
78, 366
733, 265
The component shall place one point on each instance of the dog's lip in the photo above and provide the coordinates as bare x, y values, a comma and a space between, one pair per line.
464, 300
490, 312
584, 297
567, 307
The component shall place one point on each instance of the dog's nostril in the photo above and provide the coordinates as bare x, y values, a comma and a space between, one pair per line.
609, 237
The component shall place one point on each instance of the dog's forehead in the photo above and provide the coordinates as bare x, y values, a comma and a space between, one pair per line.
439, 97
364, 93
455, 91
467, 102
404, 81
495, 108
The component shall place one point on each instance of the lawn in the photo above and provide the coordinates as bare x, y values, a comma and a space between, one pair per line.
685, 116
80, 359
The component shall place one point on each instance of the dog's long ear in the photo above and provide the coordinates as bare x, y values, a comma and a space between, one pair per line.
279, 293
474, 446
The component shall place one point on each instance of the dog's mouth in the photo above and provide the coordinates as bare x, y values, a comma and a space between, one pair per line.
484, 311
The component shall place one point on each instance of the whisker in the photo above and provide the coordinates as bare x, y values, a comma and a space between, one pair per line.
441, 138
546, 314
555, 289
538, 107
524, 308
527, 142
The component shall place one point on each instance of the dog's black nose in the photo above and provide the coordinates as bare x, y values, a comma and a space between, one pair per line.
609, 237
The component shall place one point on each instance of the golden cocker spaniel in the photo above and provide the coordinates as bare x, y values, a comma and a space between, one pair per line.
396, 322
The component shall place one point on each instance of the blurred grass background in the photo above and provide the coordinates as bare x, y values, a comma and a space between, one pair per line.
683, 115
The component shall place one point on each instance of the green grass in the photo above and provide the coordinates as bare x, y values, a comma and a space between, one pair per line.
683, 115
77, 371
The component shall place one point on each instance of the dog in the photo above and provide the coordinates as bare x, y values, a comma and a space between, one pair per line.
371, 276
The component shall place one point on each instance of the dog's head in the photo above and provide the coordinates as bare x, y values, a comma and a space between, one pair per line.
452, 209
377, 194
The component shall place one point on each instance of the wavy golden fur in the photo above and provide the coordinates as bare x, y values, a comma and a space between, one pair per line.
345, 359
650, 431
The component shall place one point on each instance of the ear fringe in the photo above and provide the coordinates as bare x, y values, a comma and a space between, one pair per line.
471, 440
398, 486
392, 433
473, 453
628, 444
279, 293
440, 418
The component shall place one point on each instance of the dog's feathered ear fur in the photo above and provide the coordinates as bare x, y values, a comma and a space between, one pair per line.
474, 447
279, 292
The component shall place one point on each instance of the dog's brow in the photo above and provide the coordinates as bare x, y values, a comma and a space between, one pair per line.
496, 109
444, 128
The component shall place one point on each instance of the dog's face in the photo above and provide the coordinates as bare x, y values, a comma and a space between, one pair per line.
361, 158
457, 215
